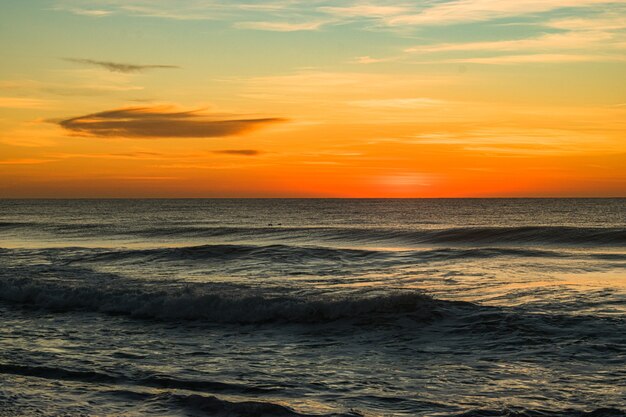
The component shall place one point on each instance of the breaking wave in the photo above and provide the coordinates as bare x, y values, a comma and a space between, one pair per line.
214, 304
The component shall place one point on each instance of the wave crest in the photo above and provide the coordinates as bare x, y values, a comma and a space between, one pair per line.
215, 304
484, 235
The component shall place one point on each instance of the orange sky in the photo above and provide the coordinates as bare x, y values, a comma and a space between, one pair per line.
465, 98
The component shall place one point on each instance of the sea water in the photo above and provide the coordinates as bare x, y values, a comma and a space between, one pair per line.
280, 307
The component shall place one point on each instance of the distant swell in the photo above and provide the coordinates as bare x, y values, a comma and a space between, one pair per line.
557, 235
483, 235
562, 235
226, 252
530, 234
293, 254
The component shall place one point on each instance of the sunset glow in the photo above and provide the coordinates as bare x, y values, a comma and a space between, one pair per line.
322, 98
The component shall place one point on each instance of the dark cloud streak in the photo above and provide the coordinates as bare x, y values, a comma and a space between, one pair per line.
160, 122
118, 66
241, 152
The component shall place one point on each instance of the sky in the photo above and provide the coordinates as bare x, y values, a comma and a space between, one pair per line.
315, 98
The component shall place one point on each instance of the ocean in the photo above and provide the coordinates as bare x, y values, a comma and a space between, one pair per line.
311, 307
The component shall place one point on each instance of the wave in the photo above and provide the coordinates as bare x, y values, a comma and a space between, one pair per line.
488, 235
201, 405
228, 304
56, 373
204, 403
14, 225
562, 235
195, 403
291, 254
151, 381
214, 303
225, 252
518, 412
540, 235
213, 406
258, 258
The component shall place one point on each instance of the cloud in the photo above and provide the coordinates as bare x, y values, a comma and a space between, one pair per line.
569, 40
399, 103
241, 152
85, 82
24, 103
596, 39
322, 86
145, 156
460, 11
91, 12
27, 87
517, 139
117, 66
280, 26
88, 90
364, 10
287, 15
144, 178
369, 60
539, 59
24, 161
161, 122
597, 23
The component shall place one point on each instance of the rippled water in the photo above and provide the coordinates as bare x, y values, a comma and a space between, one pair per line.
313, 307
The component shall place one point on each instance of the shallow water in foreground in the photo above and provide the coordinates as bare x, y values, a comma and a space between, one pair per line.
313, 307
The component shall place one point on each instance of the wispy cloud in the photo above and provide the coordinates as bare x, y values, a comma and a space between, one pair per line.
539, 58
604, 22
85, 84
24, 161
238, 152
280, 26
144, 178
90, 12
399, 103
161, 122
481, 10
365, 10
288, 15
369, 60
340, 86
517, 140
593, 38
18, 84
118, 66
568, 40
137, 156
24, 103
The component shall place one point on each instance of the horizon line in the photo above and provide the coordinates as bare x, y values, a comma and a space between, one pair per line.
322, 198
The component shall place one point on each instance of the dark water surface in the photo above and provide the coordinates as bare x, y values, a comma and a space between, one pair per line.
313, 307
